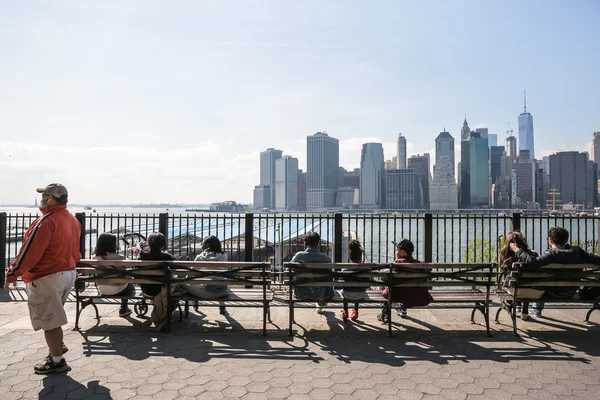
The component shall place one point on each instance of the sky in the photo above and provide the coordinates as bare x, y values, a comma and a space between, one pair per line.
141, 101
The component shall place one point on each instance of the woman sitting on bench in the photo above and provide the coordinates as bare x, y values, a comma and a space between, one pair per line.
211, 252
106, 249
356, 254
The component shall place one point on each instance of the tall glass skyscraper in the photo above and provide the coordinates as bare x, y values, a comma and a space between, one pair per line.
322, 170
444, 147
372, 178
526, 130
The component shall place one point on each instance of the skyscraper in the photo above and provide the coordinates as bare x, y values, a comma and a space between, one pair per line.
596, 147
322, 166
420, 164
267, 171
286, 183
526, 130
401, 152
443, 189
492, 139
571, 175
465, 132
372, 178
444, 147
402, 190
496, 153
483, 132
511, 146
474, 181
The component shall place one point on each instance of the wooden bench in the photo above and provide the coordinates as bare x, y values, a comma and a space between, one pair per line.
171, 273
450, 283
520, 277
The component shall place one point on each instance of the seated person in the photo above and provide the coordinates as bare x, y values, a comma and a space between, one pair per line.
106, 249
156, 251
507, 257
560, 252
409, 296
211, 251
320, 294
356, 254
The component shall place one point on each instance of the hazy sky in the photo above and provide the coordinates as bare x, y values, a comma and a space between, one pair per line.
156, 101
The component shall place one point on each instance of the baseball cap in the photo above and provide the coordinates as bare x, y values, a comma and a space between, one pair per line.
54, 189
406, 245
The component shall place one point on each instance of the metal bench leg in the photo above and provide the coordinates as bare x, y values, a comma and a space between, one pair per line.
264, 321
180, 311
187, 309
486, 315
77, 312
596, 306
269, 313
477, 307
291, 318
497, 319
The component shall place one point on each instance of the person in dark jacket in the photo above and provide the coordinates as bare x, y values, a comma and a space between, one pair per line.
560, 252
409, 297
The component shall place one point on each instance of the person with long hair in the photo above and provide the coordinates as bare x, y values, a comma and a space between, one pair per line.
508, 256
156, 251
356, 254
106, 249
211, 251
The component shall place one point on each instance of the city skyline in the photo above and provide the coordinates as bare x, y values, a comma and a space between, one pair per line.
170, 103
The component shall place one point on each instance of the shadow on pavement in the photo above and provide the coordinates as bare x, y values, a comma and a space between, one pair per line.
63, 386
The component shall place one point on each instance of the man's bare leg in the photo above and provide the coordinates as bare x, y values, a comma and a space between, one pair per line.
54, 339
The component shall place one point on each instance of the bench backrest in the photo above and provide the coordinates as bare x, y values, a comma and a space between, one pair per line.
126, 271
555, 275
396, 275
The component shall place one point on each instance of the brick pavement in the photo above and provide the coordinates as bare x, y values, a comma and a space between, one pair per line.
436, 353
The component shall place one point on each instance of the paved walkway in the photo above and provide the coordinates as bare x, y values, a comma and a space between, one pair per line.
436, 353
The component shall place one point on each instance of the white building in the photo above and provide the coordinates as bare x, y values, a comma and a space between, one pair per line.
286, 183
372, 170
443, 188
346, 197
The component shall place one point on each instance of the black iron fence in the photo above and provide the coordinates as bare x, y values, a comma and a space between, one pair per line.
277, 237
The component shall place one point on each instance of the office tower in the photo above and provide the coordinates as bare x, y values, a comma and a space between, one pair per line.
511, 146
443, 188
571, 175
596, 147
262, 197
301, 190
372, 178
286, 183
352, 178
444, 147
267, 172
492, 140
526, 130
402, 190
346, 197
465, 132
322, 161
475, 183
401, 152
496, 153
420, 164
483, 133
524, 181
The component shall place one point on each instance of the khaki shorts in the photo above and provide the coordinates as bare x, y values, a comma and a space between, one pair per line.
46, 300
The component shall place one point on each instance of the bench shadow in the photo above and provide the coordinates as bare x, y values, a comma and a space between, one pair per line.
63, 386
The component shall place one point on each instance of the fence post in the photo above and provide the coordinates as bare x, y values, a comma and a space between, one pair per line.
249, 237
428, 238
81, 218
163, 224
2, 247
338, 232
515, 221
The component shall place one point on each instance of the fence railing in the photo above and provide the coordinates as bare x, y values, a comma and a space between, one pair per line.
277, 237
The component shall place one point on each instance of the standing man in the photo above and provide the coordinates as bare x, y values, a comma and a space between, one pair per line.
46, 262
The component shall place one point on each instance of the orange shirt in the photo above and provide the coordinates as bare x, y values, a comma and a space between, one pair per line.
50, 245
